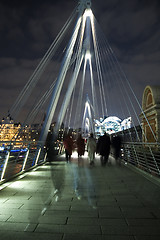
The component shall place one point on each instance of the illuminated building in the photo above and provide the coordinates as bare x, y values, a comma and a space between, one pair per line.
111, 125
9, 130
151, 109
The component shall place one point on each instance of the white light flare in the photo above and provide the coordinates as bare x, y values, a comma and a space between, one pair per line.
88, 13
88, 55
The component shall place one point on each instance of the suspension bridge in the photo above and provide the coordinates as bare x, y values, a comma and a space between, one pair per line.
78, 81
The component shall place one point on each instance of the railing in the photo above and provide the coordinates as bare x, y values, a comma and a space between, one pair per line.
17, 157
145, 156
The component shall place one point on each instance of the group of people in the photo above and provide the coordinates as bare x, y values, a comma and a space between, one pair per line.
101, 147
69, 146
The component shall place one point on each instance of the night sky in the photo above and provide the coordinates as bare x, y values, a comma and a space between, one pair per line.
29, 27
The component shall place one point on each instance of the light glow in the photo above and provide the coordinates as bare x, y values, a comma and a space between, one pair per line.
88, 55
112, 124
88, 13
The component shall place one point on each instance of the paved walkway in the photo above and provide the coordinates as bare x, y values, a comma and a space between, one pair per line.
111, 202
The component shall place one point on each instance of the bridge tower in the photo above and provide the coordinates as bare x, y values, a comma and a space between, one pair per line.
83, 12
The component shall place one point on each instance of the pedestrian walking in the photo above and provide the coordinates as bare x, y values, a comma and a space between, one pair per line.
50, 147
116, 144
91, 148
103, 148
80, 145
68, 145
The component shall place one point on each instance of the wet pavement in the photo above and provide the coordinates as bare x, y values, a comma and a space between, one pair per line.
61, 201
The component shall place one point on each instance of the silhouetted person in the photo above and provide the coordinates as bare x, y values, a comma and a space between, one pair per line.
80, 145
68, 145
103, 148
116, 144
91, 148
50, 147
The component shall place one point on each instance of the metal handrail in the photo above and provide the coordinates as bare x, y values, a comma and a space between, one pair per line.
145, 156
17, 157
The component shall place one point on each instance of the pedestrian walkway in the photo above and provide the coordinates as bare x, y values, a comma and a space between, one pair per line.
61, 201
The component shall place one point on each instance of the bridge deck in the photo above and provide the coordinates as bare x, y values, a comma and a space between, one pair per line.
112, 203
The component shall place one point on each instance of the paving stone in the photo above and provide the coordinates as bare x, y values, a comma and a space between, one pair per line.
10, 206
116, 230
111, 213
147, 237
96, 221
118, 237
7, 226
73, 213
136, 213
8, 235
143, 230
37, 219
80, 229
4, 217
82, 237
144, 222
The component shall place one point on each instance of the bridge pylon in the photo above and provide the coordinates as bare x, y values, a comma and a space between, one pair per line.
83, 6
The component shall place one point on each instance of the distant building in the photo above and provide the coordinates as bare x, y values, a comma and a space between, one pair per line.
111, 125
9, 130
151, 117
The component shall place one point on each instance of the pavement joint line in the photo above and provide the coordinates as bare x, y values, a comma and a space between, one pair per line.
25, 230
63, 236
66, 223
154, 215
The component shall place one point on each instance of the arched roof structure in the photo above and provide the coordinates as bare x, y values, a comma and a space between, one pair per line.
151, 113
151, 97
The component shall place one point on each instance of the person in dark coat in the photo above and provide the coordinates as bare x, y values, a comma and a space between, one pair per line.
80, 145
116, 144
68, 145
91, 148
50, 147
103, 148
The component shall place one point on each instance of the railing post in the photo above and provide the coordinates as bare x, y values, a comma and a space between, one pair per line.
37, 157
154, 160
145, 158
25, 160
5, 165
135, 152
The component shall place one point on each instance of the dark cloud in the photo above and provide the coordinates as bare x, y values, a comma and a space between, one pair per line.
29, 27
